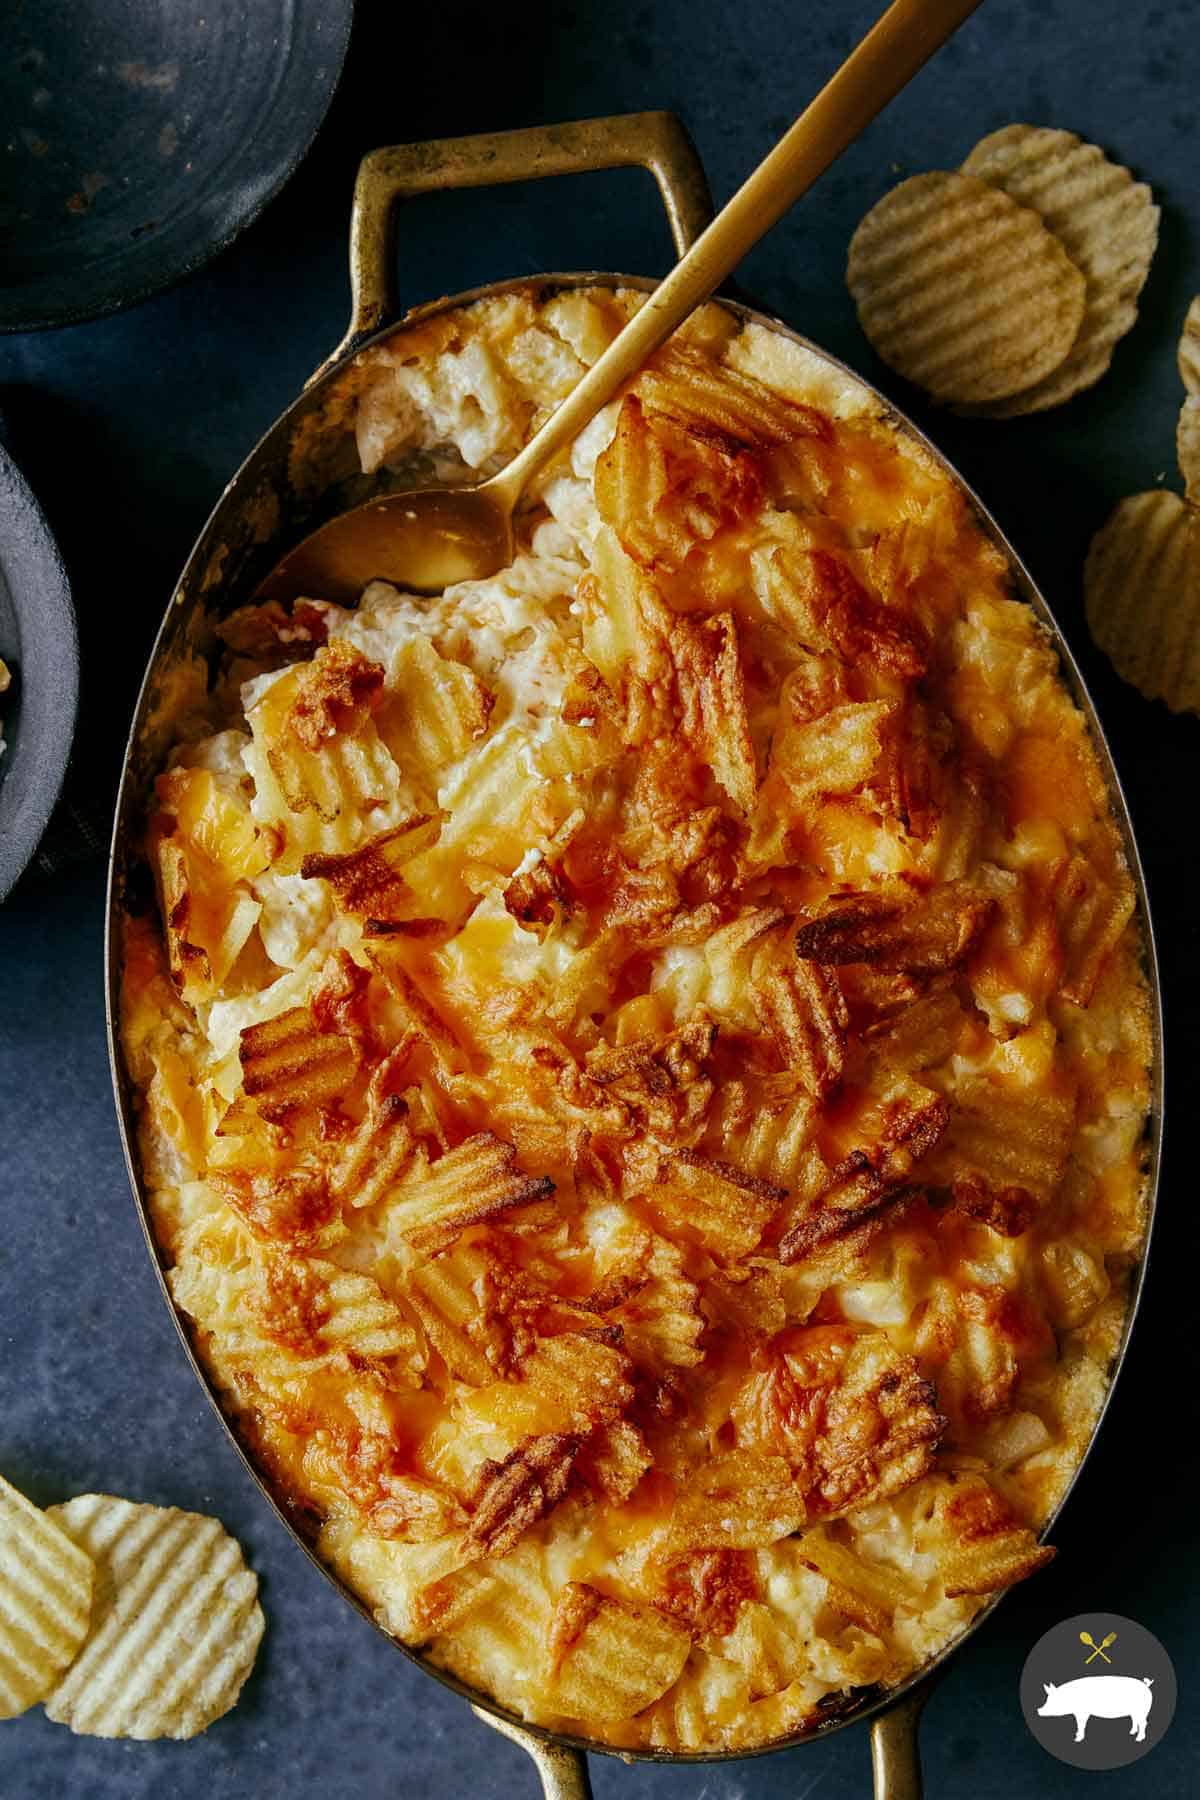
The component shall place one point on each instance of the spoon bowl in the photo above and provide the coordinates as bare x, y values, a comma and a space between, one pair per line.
421, 540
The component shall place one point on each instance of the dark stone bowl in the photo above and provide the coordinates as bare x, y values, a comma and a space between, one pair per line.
140, 136
39, 644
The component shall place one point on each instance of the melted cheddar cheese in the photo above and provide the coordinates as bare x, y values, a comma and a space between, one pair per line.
644, 1058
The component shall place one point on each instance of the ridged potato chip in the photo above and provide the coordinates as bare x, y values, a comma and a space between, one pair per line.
45, 1601
1141, 585
611, 1659
1187, 447
1105, 220
962, 291
176, 1622
1189, 349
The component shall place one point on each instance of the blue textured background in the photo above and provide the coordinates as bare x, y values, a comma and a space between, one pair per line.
128, 429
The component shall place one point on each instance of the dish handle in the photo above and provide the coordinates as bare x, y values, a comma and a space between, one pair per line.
564, 1771
656, 141
895, 1752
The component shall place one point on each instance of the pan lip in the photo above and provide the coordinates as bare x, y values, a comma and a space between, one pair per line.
335, 20
927, 1673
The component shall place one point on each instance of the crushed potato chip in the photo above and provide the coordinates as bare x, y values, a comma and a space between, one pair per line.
477, 1181
176, 1622
1106, 222
740, 1501
961, 290
724, 1208
613, 1659
981, 1545
1141, 585
46, 1584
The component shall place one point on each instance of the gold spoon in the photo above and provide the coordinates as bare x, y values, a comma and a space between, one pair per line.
425, 538
1085, 1637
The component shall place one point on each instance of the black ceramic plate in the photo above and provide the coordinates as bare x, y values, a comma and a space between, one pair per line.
38, 642
137, 137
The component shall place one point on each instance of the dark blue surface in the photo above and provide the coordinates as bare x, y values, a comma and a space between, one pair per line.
130, 426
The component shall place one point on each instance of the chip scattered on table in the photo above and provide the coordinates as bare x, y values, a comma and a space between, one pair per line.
1187, 447
1105, 220
45, 1601
1141, 585
963, 291
1189, 349
176, 1622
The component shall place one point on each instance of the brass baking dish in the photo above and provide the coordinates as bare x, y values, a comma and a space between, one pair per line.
303, 470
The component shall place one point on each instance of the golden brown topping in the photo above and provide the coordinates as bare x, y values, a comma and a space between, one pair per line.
434, 710
478, 1181
1002, 1139
712, 1202
469, 1303
336, 691
878, 1586
614, 1459
539, 896
1091, 915
665, 487
660, 1320
340, 1002
292, 1305
205, 844
583, 1376
611, 1659
711, 696
915, 1119
919, 1033
707, 1589
1008, 1211
833, 611
390, 957
414, 1512
382, 1146
517, 1492
805, 1013
850, 1413
312, 1307
291, 1206
980, 1544
260, 630
662, 1080
369, 881
289, 1062
743, 1500
746, 1300
923, 936
189, 962
577, 1606
684, 383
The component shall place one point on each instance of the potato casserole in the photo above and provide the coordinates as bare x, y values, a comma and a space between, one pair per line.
643, 1060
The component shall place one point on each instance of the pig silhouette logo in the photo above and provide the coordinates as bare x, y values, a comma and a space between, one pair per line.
1098, 1717
1100, 1697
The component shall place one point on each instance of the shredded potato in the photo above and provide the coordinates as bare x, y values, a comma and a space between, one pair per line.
644, 1057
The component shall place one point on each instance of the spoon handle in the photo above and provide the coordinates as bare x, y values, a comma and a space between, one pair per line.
899, 44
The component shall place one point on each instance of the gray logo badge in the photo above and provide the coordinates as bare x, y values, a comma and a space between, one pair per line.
1098, 1691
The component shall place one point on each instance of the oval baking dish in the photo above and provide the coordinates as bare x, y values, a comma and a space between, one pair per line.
304, 470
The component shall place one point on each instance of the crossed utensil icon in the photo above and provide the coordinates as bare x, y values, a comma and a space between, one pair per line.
1085, 1637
